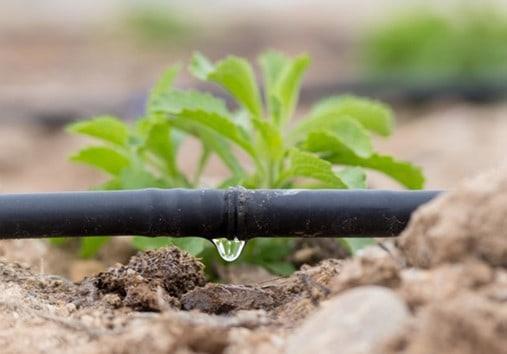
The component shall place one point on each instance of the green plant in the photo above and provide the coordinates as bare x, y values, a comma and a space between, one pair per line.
328, 148
466, 44
158, 25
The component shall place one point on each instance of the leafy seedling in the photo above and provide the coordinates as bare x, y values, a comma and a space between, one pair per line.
330, 147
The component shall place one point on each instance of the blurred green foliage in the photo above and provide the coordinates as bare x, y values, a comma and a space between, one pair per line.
464, 45
159, 25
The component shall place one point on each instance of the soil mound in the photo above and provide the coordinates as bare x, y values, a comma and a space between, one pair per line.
468, 222
150, 280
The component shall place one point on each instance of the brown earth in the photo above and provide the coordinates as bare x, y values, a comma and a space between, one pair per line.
440, 288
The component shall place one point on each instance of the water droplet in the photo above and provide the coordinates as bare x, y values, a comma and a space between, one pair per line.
229, 250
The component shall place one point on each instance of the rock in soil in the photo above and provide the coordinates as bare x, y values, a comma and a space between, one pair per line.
354, 322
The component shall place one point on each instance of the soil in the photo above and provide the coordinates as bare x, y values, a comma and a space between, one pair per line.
440, 288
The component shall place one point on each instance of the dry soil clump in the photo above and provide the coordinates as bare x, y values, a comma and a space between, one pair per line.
469, 222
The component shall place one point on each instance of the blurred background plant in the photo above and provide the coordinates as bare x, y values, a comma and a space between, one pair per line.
154, 24
465, 44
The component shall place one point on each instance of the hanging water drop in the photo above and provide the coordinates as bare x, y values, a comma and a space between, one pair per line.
229, 250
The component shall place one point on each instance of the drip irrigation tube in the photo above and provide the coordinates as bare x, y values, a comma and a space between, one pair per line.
210, 213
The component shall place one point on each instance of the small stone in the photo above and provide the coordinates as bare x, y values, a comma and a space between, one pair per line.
355, 322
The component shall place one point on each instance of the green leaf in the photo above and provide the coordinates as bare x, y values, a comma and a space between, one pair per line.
159, 141
91, 245
373, 115
265, 250
347, 130
305, 164
103, 158
331, 149
106, 128
220, 124
201, 67
58, 241
193, 245
235, 75
270, 253
176, 101
357, 243
231, 182
280, 268
149, 243
190, 109
271, 136
112, 184
136, 178
272, 64
203, 162
353, 177
282, 80
163, 86
404, 172
213, 141
288, 84
351, 134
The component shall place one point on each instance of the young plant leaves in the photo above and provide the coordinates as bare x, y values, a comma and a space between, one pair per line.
372, 115
282, 80
353, 177
348, 131
91, 245
331, 149
220, 124
235, 75
104, 158
175, 101
212, 141
159, 142
271, 136
272, 63
163, 86
308, 165
106, 128
288, 83
136, 178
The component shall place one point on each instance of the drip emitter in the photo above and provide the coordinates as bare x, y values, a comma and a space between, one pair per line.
210, 213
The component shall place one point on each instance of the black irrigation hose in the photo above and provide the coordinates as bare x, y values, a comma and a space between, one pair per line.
210, 213
412, 92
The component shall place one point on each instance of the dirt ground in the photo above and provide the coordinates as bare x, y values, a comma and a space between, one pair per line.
441, 287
